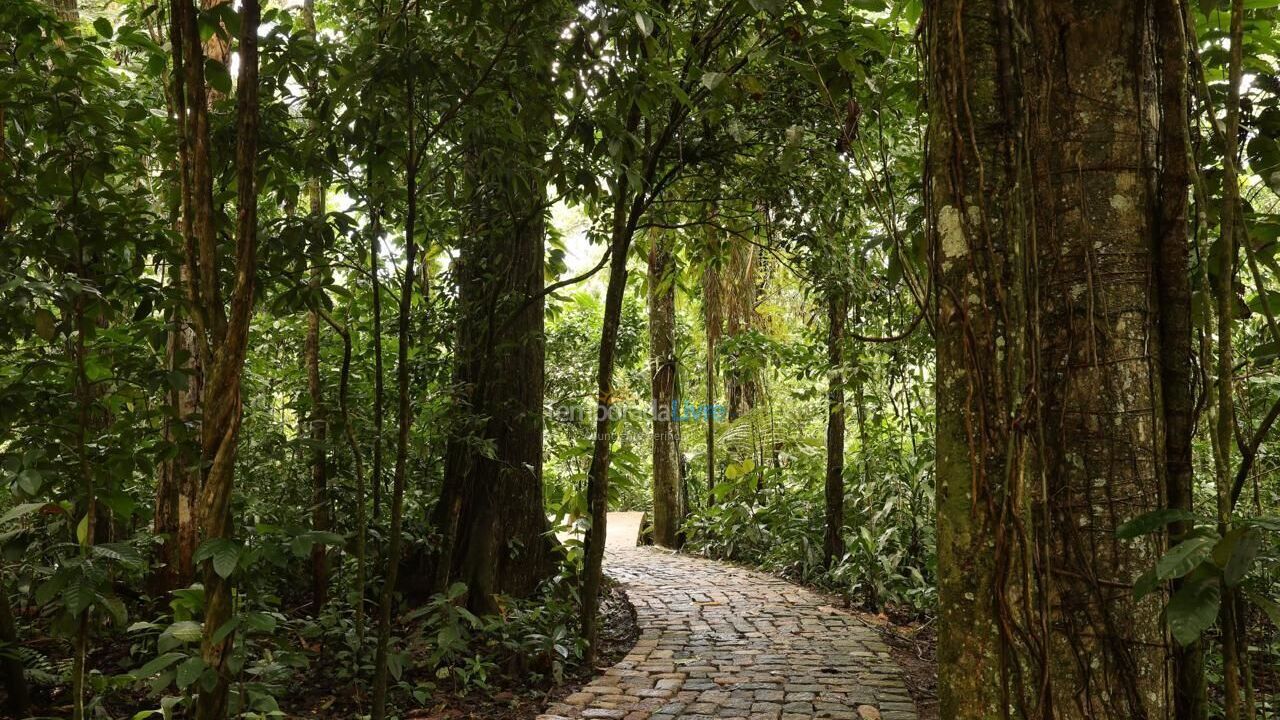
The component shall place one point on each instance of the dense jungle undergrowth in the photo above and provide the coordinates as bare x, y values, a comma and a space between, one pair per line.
331, 331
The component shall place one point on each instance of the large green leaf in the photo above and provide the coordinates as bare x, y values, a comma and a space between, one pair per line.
224, 553
158, 664
1152, 521
1185, 556
185, 631
1193, 608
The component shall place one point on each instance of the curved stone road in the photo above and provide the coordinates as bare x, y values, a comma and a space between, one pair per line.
718, 642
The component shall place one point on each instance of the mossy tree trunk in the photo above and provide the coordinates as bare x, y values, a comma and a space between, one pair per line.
1042, 171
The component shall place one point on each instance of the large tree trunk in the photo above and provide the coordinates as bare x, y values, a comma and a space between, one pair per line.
833, 540
1050, 430
668, 511
491, 514
491, 510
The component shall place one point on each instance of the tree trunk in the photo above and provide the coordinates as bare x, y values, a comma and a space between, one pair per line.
667, 510
1174, 288
491, 514
833, 540
711, 316
222, 330
375, 238
491, 510
178, 480
740, 290
403, 416
1041, 172
318, 421
628, 203
1234, 647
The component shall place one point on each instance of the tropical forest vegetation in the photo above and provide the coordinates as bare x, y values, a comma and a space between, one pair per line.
338, 339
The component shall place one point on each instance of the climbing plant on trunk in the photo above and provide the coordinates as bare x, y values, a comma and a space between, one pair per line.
1049, 421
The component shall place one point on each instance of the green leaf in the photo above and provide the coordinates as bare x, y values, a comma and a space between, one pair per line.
1236, 552
44, 323
22, 510
262, 622
1145, 583
227, 628
645, 24
1152, 521
103, 27
185, 631
189, 671
1268, 606
82, 530
712, 80
156, 665
1185, 556
224, 553
1193, 608
79, 594
123, 553
30, 481
217, 76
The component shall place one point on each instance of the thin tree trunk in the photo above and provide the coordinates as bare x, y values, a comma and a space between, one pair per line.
318, 422
403, 418
833, 540
178, 479
667, 510
1224, 427
222, 330
626, 214
1174, 295
375, 239
84, 398
742, 390
357, 461
711, 316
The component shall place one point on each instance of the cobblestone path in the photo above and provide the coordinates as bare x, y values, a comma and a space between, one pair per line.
720, 642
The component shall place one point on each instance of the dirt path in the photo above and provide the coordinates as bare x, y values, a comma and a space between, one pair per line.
718, 642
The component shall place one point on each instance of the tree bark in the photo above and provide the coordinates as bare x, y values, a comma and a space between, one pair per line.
711, 316
318, 422
1174, 295
1041, 176
491, 514
833, 540
740, 291
668, 512
491, 510
178, 480
222, 330
403, 416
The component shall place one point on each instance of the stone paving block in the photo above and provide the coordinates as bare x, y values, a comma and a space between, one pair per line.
719, 642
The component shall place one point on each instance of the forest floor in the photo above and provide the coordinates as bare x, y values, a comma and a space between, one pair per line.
721, 641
